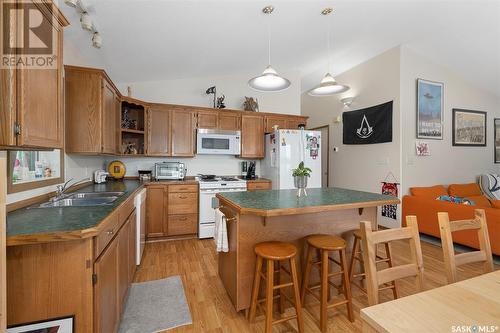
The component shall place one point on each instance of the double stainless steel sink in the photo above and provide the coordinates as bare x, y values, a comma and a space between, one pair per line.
83, 200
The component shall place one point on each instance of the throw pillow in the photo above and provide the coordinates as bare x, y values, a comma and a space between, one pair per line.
429, 192
490, 185
464, 190
457, 200
495, 204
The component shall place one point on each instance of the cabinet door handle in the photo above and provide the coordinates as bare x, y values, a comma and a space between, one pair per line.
109, 232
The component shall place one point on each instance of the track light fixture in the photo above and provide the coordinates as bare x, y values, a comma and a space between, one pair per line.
97, 40
86, 21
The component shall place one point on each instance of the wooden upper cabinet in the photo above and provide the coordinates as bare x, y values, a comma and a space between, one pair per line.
252, 136
281, 121
183, 132
230, 121
158, 131
109, 118
91, 112
294, 122
31, 109
208, 119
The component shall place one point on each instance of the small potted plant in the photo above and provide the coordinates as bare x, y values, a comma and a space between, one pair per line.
300, 176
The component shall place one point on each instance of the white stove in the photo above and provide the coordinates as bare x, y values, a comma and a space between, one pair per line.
208, 189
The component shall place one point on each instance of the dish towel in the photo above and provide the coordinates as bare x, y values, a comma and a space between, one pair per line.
220, 237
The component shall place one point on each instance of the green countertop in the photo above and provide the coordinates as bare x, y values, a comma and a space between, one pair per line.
29, 221
280, 201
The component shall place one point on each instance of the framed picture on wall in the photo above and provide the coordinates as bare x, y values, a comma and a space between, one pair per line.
469, 128
497, 140
429, 109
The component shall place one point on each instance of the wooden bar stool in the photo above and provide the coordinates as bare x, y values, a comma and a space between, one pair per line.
276, 253
357, 255
326, 244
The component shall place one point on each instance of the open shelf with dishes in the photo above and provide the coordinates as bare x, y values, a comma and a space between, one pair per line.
132, 128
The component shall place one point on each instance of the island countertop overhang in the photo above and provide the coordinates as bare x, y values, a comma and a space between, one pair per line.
286, 202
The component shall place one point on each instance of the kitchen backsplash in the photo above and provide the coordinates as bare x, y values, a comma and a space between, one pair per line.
205, 164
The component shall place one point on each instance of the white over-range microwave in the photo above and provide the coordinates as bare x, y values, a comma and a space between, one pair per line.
219, 142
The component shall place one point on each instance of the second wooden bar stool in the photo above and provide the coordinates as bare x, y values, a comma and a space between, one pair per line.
357, 255
326, 244
276, 252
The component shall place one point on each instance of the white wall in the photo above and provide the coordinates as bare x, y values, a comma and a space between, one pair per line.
361, 167
447, 164
192, 92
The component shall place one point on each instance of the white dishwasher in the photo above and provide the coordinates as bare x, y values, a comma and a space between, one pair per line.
140, 210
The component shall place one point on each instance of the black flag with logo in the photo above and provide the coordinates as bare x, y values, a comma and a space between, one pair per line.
367, 126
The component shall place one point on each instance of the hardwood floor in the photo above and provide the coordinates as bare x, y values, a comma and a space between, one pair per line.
212, 311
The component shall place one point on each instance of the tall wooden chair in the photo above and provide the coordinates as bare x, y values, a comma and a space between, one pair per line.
374, 278
452, 260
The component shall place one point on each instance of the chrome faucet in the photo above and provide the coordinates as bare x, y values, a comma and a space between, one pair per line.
61, 189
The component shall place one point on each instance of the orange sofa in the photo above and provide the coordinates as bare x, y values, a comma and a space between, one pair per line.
422, 203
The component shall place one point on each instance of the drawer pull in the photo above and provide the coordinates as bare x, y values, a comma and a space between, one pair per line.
183, 219
109, 232
182, 197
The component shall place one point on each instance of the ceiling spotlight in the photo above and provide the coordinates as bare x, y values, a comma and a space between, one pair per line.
86, 21
347, 101
97, 40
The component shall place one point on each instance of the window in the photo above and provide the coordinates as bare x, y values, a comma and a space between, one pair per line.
33, 169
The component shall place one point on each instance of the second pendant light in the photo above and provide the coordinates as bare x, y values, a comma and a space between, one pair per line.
328, 86
269, 80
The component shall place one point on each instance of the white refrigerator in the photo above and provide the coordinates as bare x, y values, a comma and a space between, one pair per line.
285, 149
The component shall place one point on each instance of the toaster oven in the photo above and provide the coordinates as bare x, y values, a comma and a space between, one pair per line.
170, 170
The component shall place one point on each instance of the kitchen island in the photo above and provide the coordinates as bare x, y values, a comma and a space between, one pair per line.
279, 215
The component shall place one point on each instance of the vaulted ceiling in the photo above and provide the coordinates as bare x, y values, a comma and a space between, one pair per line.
153, 39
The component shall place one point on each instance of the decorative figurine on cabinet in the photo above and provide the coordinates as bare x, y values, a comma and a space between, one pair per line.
220, 102
251, 104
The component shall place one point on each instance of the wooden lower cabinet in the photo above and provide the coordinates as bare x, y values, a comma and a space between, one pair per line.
182, 224
172, 210
105, 290
259, 185
114, 271
74, 277
156, 204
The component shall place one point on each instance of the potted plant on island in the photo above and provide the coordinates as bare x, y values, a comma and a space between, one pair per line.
300, 176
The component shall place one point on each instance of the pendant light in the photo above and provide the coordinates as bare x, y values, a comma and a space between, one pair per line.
328, 86
269, 80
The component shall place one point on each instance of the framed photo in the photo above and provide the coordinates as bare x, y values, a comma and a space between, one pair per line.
59, 325
429, 110
422, 148
497, 140
469, 128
